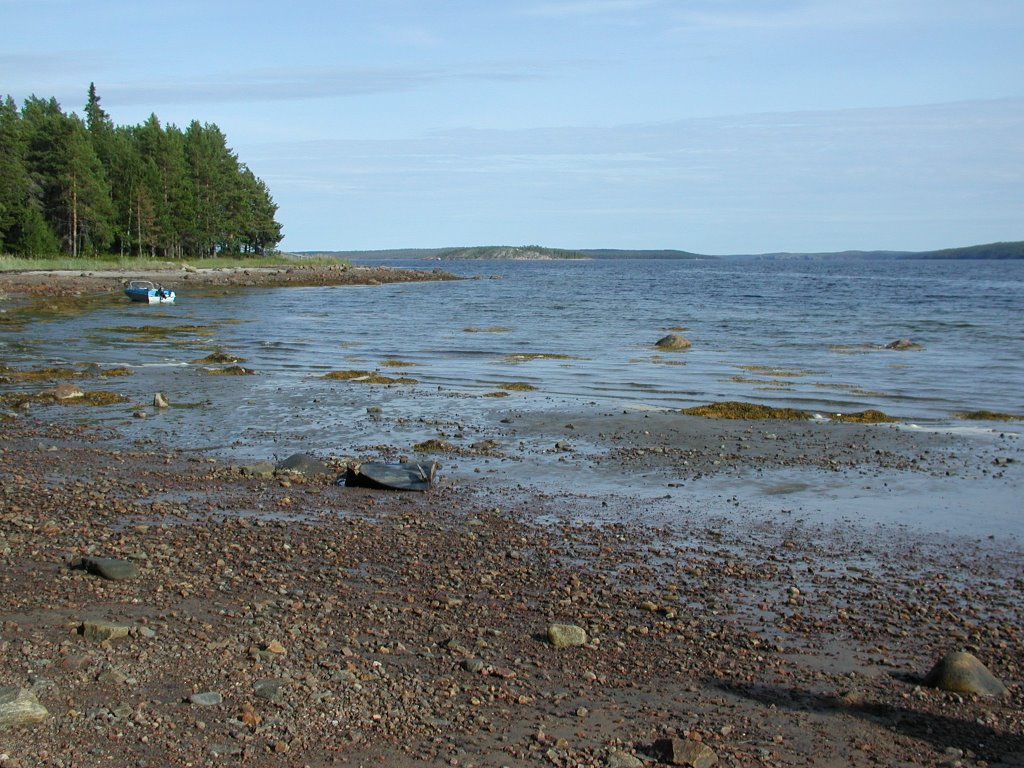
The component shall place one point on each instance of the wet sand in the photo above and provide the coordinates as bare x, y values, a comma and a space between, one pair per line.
342, 626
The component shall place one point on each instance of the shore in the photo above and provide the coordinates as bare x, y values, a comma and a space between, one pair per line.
180, 278
284, 620
767, 593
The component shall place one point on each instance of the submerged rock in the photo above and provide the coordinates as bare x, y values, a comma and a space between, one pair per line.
962, 672
902, 345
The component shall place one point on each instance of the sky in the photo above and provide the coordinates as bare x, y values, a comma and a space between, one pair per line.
713, 126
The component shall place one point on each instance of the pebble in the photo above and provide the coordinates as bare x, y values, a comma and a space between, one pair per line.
206, 699
566, 635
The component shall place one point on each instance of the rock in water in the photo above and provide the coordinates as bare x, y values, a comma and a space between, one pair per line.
694, 754
962, 672
566, 635
159, 401
673, 342
19, 706
902, 345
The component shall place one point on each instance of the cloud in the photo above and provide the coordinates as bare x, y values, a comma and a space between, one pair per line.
283, 85
588, 8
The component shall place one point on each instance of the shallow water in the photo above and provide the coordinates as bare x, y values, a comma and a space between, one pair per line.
803, 334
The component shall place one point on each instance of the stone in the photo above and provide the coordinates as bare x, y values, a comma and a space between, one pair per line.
962, 672
620, 759
674, 342
566, 635
259, 469
100, 631
304, 464
110, 568
159, 401
65, 392
902, 345
269, 689
19, 706
694, 754
206, 699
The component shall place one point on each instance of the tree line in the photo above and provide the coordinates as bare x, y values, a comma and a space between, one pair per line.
89, 187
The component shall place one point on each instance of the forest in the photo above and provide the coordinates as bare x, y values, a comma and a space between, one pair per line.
90, 187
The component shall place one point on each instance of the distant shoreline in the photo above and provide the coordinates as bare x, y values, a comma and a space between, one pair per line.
990, 251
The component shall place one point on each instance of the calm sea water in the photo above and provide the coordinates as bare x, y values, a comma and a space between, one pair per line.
803, 334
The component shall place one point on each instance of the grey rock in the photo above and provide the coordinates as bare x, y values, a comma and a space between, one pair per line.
110, 568
304, 464
674, 342
620, 759
269, 689
962, 672
259, 469
472, 664
206, 699
19, 706
566, 635
159, 401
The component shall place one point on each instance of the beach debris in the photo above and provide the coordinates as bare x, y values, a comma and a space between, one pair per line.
159, 401
304, 464
566, 635
19, 706
903, 345
434, 445
963, 672
109, 568
695, 754
674, 342
412, 476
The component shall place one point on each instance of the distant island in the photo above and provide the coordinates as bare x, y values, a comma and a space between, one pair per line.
1014, 250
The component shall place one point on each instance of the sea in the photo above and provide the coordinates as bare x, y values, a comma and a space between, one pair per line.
537, 337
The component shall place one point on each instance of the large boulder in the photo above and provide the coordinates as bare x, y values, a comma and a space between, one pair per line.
962, 672
674, 342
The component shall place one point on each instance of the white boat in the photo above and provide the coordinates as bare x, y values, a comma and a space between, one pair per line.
148, 292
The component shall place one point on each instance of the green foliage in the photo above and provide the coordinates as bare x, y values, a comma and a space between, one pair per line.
86, 187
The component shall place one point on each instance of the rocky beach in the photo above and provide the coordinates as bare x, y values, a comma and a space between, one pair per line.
165, 606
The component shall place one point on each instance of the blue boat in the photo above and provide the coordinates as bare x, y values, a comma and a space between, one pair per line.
148, 293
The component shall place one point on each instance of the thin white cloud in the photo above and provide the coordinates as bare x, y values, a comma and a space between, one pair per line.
580, 8
285, 85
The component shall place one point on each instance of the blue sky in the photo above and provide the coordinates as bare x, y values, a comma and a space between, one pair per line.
716, 126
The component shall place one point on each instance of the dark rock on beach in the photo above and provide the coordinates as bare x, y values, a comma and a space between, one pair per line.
963, 672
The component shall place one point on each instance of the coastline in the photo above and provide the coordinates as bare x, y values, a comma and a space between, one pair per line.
76, 282
774, 590
341, 625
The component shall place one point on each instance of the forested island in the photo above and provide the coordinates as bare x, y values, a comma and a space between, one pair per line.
1013, 250
90, 187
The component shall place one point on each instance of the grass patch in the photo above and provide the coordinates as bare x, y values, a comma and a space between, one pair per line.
768, 370
231, 370
52, 373
398, 364
869, 416
220, 358
116, 262
987, 416
496, 394
99, 397
155, 332
434, 446
518, 386
368, 377
738, 410
488, 329
528, 356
